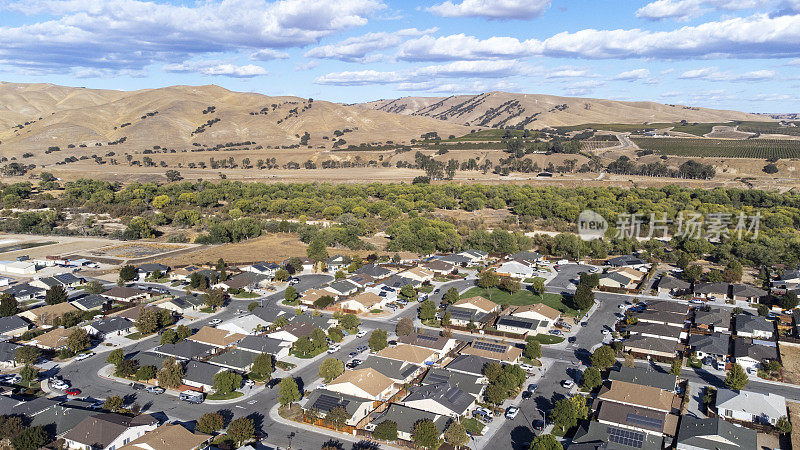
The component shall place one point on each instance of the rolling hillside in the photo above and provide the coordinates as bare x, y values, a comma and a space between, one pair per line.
533, 111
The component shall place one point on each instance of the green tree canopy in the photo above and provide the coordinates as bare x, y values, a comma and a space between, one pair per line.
737, 378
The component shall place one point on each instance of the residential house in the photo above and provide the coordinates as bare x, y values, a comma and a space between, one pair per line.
234, 359
246, 324
419, 274
65, 280
517, 269
263, 344
789, 281
713, 319
546, 315
616, 280
59, 419
322, 401
672, 286
751, 354
216, 337
148, 270
309, 296
438, 267
361, 280
25, 292
456, 259
478, 303
637, 418
657, 330
712, 291
747, 406
267, 269
440, 344
662, 317
463, 317
598, 436
169, 436
757, 327
440, 398
409, 353
475, 256
527, 255
54, 339
184, 304
645, 377
110, 326
647, 397
337, 263
363, 383
713, 434
186, 349
747, 293
125, 294
650, 347
518, 325
43, 316
245, 281
363, 303
374, 271
108, 431
397, 282
90, 302
469, 364
405, 418
293, 331
13, 326
135, 312
470, 383
714, 346
8, 352
184, 273
635, 275
401, 372
268, 314
668, 306
626, 261
341, 287
200, 375
497, 351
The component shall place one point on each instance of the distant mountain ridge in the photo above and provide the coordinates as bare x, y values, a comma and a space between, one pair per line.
502, 109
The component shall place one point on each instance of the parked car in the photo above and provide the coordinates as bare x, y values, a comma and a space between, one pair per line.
73, 391
555, 332
353, 364
572, 339
273, 382
361, 348
215, 321
352, 354
191, 397
59, 384
512, 412
334, 348
567, 384
482, 416
155, 390
11, 378
538, 425
532, 388
137, 386
293, 281
83, 356
361, 334
605, 332
527, 367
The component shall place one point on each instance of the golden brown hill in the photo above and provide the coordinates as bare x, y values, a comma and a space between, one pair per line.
35, 117
533, 111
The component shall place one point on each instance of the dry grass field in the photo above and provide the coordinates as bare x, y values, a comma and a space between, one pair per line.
790, 356
62, 245
794, 417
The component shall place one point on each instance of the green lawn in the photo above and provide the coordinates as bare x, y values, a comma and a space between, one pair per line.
474, 426
137, 335
547, 339
426, 289
523, 297
246, 295
228, 396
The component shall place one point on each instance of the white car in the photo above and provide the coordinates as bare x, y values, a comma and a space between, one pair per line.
623, 306
527, 367
60, 385
83, 356
567, 384
334, 348
512, 412
605, 332
361, 334
215, 321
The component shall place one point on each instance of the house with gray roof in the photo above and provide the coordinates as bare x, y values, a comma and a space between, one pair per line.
440, 398
263, 344
472, 384
147, 270
396, 370
66, 280
715, 346
267, 313
663, 317
109, 430
200, 374
599, 436
712, 290
59, 419
476, 256
670, 306
625, 260
673, 286
441, 344
713, 434
749, 406
7, 353
266, 268
747, 293
751, 354
342, 287
616, 280
462, 317
713, 319
247, 281
406, 417
757, 327
148, 359
323, 401
657, 330
234, 359
518, 325
23, 292
186, 349
456, 259
397, 282
13, 326
90, 302
645, 377
374, 271
110, 326
470, 364
336, 263
184, 303
650, 347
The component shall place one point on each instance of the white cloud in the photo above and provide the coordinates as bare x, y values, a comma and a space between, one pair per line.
457, 88
212, 68
714, 74
794, 62
355, 49
492, 9
130, 34
687, 9
583, 87
268, 54
306, 65
568, 72
633, 75
463, 47
458, 69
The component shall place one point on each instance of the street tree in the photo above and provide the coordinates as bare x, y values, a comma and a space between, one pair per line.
226, 382
171, 373
113, 403
538, 286
128, 273
214, 298
533, 349
78, 340
55, 295
603, 357
583, 297
450, 297
546, 442
8, 305
737, 378
210, 423
330, 369
288, 392
427, 310
290, 295
263, 365
425, 434
456, 435
27, 354
169, 336
241, 430
404, 327
378, 340
591, 378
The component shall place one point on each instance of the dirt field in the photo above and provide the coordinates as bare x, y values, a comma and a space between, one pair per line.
790, 356
63, 245
794, 417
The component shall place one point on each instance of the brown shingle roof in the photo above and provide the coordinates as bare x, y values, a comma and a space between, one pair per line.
44, 315
123, 292
167, 436
216, 337
479, 302
369, 380
405, 352
55, 338
100, 430
539, 308
511, 353
636, 394
367, 299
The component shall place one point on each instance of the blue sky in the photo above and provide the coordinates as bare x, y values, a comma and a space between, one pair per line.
736, 54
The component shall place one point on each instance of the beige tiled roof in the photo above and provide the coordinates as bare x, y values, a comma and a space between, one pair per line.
168, 437
367, 299
216, 337
369, 380
539, 308
479, 302
511, 353
637, 394
409, 353
55, 338
44, 315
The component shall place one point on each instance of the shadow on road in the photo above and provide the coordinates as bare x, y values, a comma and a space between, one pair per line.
521, 435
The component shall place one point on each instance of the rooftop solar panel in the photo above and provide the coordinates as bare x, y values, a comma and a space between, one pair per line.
649, 422
327, 402
625, 437
489, 346
425, 337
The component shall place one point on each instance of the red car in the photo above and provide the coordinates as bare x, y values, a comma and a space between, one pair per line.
73, 391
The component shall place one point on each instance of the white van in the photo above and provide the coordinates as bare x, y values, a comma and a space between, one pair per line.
192, 397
